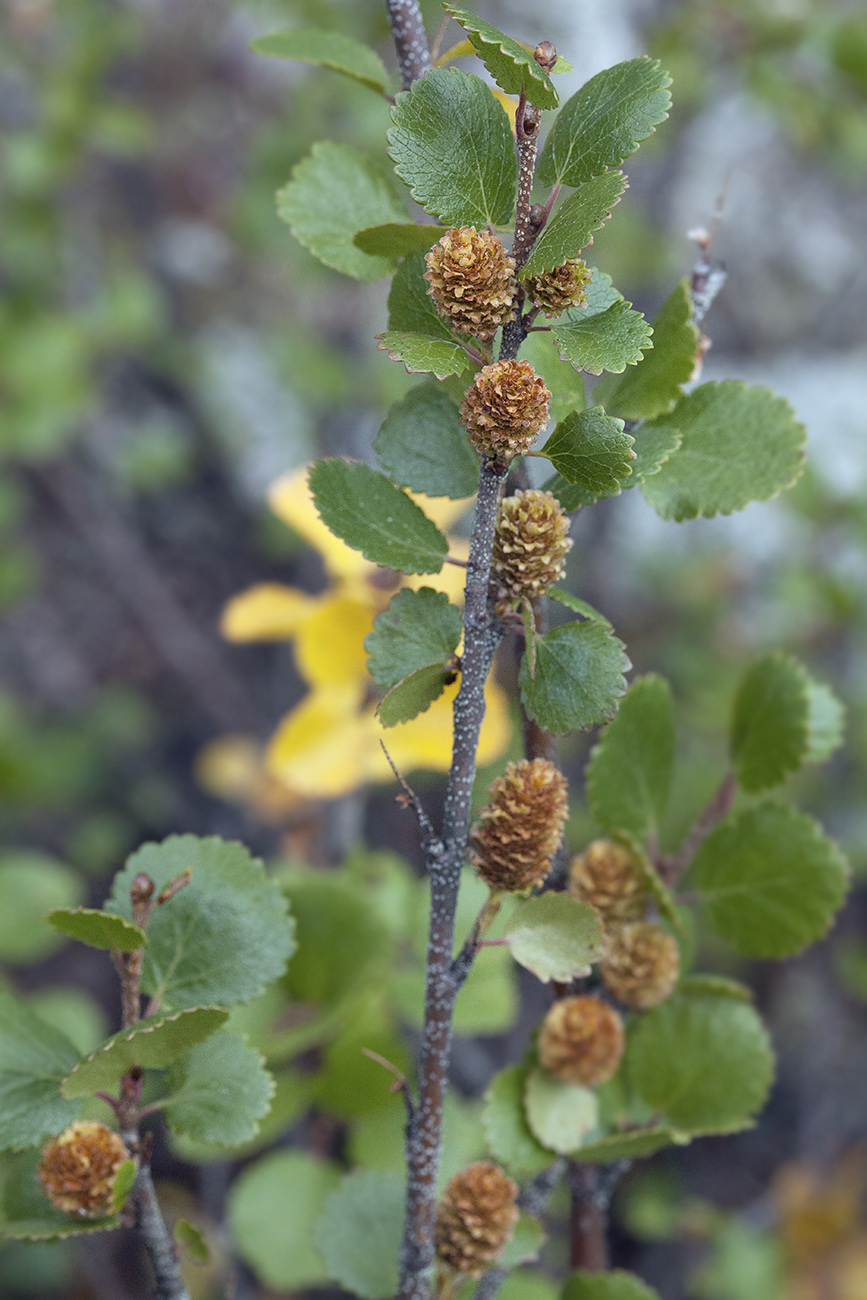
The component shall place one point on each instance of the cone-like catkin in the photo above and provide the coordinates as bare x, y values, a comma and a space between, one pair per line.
521, 826
640, 965
530, 546
78, 1169
581, 1041
475, 1218
505, 409
565, 286
472, 281
608, 877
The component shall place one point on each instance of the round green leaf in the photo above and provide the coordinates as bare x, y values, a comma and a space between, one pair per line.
634, 1145
273, 1206
396, 238
825, 722
368, 512
425, 352
123, 1184
770, 880
153, 1043
703, 1061
573, 225
511, 65
654, 444
98, 929
469, 185
608, 339
509, 1135
630, 769
34, 1058
343, 945
327, 49
413, 695
334, 193
739, 445
555, 936
560, 1115
32, 884
223, 937
524, 1244
193, 1240
652, 387
218, 1092
614, 1285
578, 680
359, 1233
605, 122
591, 450
411, 309
423, 446
417, 629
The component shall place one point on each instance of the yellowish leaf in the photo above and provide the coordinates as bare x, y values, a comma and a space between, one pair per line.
266, 612
330, 646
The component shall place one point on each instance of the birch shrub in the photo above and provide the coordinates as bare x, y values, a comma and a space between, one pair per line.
495, 304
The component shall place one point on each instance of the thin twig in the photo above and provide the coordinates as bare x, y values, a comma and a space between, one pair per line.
400, 1080
431, 842
462, 964
718, 806
410, 40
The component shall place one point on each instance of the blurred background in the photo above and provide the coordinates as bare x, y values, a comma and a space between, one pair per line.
167, 351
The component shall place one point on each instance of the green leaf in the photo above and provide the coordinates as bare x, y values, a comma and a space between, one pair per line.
579, 677
703, 1061
573, 225
573, 497
359, 1233
123, 1184
193, 1240
825, 723
512, 66
525, 1243
417, 629
653, 882
423, 446
413, 695
327, 49
769, 722
99, 929
770, 880
34, 1058
563, 381
630, 769
396, 238
605, 122
509, 1135
653, 446
334, 193
411, 309
739, 445
223, 937
465, 175
273, 1206
368, 512
634, 1145
555, 936
613, 1285
719, 985
605, 334
424, 353
652, 387
32, 884
153, 1043
577, 605
560, 1115
590, 450
218, 1092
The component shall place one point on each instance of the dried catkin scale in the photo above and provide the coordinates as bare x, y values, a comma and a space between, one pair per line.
475, 1219
505, 409
640, 965
78, 1169
581, 1041
472, 281
531, 543
520, 828
608, 877
563, 287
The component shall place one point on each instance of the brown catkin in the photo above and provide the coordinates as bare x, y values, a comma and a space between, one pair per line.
520, 828
531, 543
475, 1218
472, 281
581, 1041
640, 964
555, 291
78, 1169
608, 877
505, 409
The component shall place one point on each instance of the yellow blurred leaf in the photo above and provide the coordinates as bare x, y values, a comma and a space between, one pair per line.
322, 748
266, 612
330, 646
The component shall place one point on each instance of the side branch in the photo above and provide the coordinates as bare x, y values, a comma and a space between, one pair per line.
410, 39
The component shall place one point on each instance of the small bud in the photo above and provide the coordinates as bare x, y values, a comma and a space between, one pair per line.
78, 1169
581, 1041
640, 965
536, 215
506, 409
531, 120
476, 1217
545, 55
565, 286
520, 828
608, 877
531, 543
472, 281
